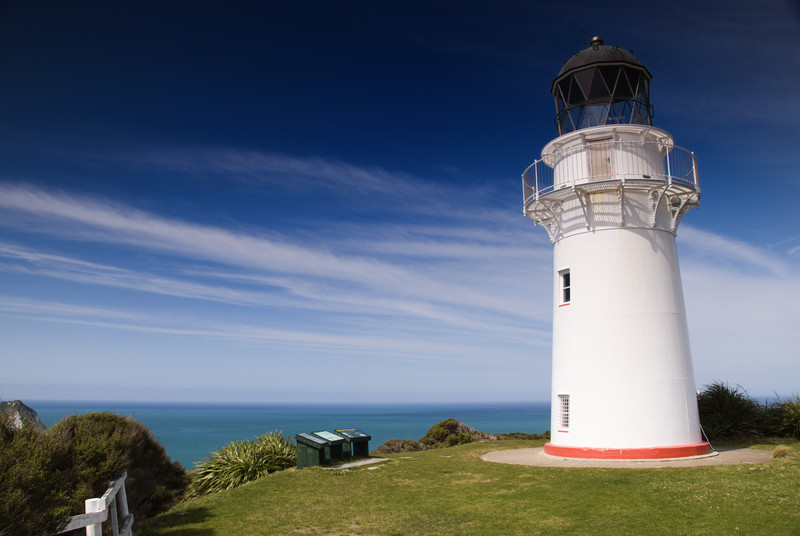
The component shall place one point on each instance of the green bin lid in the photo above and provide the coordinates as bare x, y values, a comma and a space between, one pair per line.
330, 437
352, 433
313, 439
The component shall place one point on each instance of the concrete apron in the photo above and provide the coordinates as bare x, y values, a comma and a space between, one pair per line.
537, 458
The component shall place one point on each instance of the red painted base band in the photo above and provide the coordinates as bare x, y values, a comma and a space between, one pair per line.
650, 453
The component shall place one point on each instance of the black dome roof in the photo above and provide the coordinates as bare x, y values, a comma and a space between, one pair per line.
598, 53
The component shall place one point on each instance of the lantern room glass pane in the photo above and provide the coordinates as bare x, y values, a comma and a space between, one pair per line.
600, 95
625, 84
575, 92
599, 88
610, 75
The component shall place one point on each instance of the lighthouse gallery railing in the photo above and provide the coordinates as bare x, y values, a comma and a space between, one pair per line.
680, 166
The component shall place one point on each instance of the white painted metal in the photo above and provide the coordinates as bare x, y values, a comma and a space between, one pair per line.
621, 345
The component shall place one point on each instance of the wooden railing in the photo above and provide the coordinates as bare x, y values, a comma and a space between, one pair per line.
114, 504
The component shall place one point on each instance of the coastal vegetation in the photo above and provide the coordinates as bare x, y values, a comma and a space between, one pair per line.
45, 475
448, 433
240, 462
34, 493
728, 412
790, 417
451, 432
394, 446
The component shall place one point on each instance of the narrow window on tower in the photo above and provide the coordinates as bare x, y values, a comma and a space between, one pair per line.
563, 409
566, 286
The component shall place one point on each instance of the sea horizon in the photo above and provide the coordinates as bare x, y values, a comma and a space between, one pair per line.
191, 431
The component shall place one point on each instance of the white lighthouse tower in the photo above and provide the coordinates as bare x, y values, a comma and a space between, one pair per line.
611, 190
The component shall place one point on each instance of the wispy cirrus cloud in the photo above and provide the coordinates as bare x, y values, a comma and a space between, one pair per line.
733, 253
278, 170
371, 189
39, 308
297, 294
92, 219
741, 305
427, 290
273, 273
404, 347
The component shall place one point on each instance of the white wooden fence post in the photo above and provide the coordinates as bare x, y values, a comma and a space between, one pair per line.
122, 501
95, 505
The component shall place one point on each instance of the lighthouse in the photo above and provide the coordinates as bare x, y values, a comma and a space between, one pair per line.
610, 191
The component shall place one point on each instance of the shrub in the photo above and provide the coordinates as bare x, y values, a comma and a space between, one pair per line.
34, 488
45, 476
394, 446
459, 438
440, 433
728, 412
447, 434
771, 418
451, 432
790, 417
104, 445
243, 461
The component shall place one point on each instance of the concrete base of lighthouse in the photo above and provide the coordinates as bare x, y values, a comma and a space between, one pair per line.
649, 453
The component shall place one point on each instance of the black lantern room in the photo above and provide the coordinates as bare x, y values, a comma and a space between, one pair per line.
602, 85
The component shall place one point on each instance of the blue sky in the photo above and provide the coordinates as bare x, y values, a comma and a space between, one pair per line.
321, 201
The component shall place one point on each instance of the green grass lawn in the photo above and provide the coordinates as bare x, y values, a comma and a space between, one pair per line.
452, 491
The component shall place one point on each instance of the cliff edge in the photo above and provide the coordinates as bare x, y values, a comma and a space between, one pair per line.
20, 413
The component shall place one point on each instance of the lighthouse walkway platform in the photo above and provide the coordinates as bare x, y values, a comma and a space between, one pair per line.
537, 458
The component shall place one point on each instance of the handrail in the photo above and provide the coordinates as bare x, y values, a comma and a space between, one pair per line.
114, 500
627, 160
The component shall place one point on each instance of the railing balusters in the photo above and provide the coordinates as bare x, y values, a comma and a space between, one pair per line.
669, 174
575, 166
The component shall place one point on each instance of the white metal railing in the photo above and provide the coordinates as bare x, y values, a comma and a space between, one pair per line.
610, 161
114, 502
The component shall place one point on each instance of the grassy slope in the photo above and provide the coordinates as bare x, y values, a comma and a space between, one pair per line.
451, 491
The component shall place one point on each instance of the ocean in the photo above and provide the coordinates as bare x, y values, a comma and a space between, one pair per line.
190, 432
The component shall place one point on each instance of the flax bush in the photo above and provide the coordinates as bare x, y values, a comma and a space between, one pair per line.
240, 462
728, 412
790, 417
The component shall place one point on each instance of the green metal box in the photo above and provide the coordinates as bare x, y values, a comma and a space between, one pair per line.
311, 450
357, 441
334, 450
